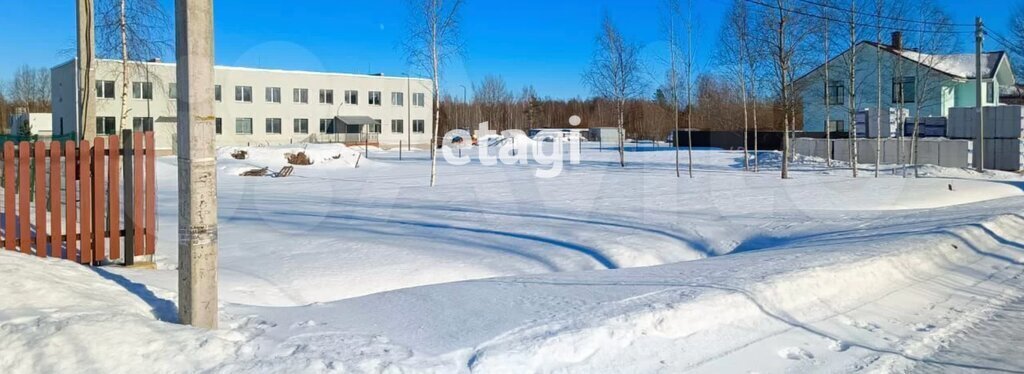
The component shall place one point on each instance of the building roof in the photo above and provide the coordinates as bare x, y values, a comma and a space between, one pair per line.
237, 68
959, 65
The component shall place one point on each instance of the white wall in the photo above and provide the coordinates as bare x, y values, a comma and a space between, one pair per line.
163, 109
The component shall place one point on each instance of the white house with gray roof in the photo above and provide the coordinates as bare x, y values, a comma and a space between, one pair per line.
930, 83
256, 106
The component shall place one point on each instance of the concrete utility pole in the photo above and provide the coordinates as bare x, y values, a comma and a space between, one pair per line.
979, 149
86, 69
197, 178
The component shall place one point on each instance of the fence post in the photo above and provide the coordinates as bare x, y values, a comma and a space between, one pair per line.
85, 200
71, 227
113, 211
9, 212
98, 201
24, 198
129, 197
40, 162
150, 222
55, 211
399, 150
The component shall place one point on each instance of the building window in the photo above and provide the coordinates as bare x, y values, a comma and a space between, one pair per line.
990, 93
274, 95
243, 126
327, 126
398, 98
904, 90
106, 125
172, 91
142, 124
219, 126
142, 90
418, 126
273, 125
217, 93
419, 99
374, 98
301, 126
352, 97
397, 126
837, 125
300, 95
326, 96
375, 126
105, 89
243, 94
836, 92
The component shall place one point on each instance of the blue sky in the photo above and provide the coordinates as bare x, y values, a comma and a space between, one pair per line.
544, 43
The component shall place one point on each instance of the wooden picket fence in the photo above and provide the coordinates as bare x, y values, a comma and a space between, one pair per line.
64, 200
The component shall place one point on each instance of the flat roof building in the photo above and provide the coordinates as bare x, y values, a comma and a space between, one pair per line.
255, 106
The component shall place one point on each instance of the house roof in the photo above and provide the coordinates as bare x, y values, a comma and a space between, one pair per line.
960, 65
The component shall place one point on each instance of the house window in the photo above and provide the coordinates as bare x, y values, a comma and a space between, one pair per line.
904, 90
397, 126
105, 89
300, 95
142, 124
418, 126
243, 126
419, 99
106, 125
219, 126
836, 92
352, 97
398, 98
326, 96
273, 125
837, 125
274, 95
301, 126
217, 93
990, 93
172, 91
374, 98
327, 126
142, 90
243, 94
375, 126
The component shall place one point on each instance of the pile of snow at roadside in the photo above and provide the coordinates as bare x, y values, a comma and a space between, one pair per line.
323, 156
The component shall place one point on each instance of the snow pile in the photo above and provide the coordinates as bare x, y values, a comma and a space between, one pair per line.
323, 156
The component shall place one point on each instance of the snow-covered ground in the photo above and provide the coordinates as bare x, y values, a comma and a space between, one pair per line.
367, 269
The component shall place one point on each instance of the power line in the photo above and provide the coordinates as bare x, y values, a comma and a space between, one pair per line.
930, 23
847, 22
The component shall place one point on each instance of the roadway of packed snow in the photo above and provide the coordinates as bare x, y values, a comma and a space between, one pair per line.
339, 268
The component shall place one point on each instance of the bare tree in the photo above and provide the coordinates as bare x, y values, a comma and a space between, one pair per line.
932, 48
30, 88
734, 54
132, 31
615, 74
688, 65
788, 31
434, 30
672, 15
493, 97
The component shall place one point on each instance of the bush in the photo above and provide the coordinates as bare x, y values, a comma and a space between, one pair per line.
298, 159
240, 154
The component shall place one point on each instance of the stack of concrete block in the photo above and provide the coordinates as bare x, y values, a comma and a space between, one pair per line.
810, 147
1004, 128
941, 152
928, 127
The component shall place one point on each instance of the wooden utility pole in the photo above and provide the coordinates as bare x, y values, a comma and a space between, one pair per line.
979, 149
86, 65
197, 177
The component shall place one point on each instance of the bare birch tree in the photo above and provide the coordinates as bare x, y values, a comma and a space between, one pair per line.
788, 30
931, 47
734, 54
132, 30
615, 74
672, 15
434, 30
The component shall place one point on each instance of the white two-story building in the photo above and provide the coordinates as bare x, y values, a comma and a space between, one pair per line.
256, 106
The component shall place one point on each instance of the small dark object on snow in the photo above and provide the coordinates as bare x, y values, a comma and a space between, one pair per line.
284, 173
951, 187
239, 154
298, 159
256, 172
